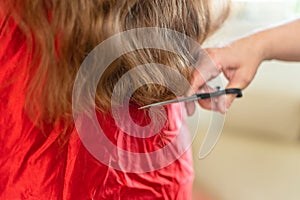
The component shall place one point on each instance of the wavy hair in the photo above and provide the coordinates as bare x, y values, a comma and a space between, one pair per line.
63, 32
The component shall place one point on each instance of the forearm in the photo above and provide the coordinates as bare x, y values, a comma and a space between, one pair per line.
281, 42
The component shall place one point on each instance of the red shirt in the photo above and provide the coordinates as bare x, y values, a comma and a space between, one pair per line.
35, 166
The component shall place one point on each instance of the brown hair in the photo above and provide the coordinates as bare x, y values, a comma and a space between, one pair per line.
63, 32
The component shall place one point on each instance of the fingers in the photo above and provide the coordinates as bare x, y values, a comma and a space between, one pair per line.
237, 67
197, 82
205, 70
240, 79
216, 104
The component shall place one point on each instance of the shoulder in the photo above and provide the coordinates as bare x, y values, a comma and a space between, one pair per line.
12, 38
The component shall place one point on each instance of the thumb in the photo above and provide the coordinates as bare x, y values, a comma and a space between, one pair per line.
240, 80
197, 82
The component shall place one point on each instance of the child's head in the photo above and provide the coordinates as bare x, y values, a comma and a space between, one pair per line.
193, 18
64, 32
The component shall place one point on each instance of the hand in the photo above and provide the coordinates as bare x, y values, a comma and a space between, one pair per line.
238, 61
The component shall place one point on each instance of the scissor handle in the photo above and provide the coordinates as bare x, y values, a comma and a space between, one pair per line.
236, 91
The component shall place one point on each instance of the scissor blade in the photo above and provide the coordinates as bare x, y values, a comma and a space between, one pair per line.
178, 100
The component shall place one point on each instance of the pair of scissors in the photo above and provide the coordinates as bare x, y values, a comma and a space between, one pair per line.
236, 91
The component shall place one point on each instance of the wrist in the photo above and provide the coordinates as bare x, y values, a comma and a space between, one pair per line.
261, 45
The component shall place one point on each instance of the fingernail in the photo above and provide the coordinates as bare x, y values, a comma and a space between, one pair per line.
190, 108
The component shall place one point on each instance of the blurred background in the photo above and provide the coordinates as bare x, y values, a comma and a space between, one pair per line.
258, 154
